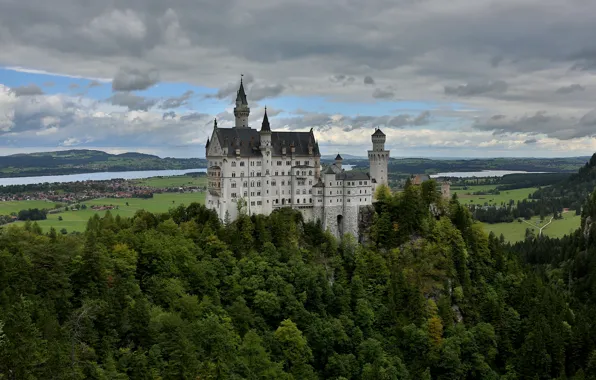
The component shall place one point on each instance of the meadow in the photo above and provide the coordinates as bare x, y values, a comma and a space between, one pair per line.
516, 231
77, 220
8, 207
466, 197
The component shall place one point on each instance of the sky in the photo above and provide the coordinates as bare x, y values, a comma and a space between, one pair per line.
457, 78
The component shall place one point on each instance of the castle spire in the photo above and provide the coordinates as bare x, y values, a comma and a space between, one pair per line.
241, 96
215, 123
265, 127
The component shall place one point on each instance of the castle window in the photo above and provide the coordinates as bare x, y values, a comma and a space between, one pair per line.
348, 192
309, 200
252, 193
297, 191
258, 183
366, 182
259, 203
258, 163
310, 172
233, 185
258, 193
234, 164
267, 172
252, 203
289, 163
241, 163
310, 182
233, 195
252, 183
310, 191
245, 184
348, 200
360, 182
283, 173
245, 193
283, 183
242, 174
252, 174
297, 200
279, 163
252, 163
273, 183
303, 191
258, 174
276, 173
233, 174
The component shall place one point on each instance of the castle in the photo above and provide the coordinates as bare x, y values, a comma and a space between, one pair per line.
257, 172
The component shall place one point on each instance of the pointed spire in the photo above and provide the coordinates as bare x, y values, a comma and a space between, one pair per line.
241, 97
207, 145
338, 158
265, 127
215, 123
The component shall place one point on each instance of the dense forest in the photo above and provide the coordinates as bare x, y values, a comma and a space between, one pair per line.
88, 161
179, 295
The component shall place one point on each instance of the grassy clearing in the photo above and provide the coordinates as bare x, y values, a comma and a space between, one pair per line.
516, 231
77, 220
174, 181
466, 197
8, 207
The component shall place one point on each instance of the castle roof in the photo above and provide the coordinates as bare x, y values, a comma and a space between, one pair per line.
378, 133
338, 158
265, 127
352, 175
241, 95
329, 170
248, 140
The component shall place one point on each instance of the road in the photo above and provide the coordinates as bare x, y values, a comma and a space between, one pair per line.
540, 228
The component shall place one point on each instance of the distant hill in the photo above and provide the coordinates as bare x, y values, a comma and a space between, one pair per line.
88, 161
572, 191
331, 157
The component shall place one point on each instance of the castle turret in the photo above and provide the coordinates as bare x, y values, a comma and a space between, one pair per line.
378, 159
265, 135
241, 111
338, 161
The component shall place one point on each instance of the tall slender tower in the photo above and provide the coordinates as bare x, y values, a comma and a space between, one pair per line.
378, 158
267, 191
241, 111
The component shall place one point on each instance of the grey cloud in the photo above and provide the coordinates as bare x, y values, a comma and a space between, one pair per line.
259, 92
530, 141
195, 116
555, 126
27, 90
73, 86
94, 83
131, 101
382, 94
231, 88
178, 101
132, 79
496, 61
369, 80
477, 88
342, 79
569, 89
170, 114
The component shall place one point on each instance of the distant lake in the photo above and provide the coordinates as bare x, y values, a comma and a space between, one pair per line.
100, 176
483, 173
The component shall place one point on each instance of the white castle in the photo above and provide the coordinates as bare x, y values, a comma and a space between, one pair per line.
258, 172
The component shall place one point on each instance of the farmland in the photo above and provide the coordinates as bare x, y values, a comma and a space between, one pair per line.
516, 231
126, 207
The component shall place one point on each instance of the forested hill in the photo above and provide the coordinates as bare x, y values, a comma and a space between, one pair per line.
182, 296
572, 191
87, 161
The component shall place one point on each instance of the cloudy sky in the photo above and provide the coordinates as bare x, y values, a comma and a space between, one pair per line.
458, 78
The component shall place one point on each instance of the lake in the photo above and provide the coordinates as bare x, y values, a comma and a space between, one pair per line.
100, 176
480, 174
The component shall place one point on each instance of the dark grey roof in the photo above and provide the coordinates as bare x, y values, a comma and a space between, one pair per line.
301, 141
241, 96
265, 127
338, 157
249, 140
349, 176
329, 170
378, 132
319, 183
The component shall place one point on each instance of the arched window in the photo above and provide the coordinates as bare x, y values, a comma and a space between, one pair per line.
234, 164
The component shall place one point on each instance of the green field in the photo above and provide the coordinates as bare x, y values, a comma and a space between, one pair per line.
77, 220
8, 207
181, 180
516, 231
466, 197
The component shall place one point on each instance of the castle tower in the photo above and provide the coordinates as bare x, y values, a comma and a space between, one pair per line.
338, 161
378, 159
241, 111
265, 134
